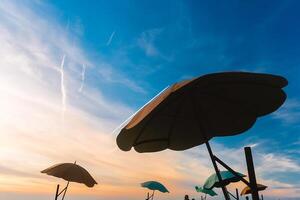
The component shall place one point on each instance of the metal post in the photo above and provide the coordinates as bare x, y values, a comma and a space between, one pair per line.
217, 170
56, 194
251, 173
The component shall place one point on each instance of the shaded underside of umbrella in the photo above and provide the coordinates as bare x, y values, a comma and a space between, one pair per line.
154, 185
189, 113
227, 178
71, 172
205, 191
247, 190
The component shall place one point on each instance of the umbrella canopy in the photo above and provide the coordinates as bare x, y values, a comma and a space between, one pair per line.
227, 178
205, 191
71, 172
189, 113
154, 185
247, 190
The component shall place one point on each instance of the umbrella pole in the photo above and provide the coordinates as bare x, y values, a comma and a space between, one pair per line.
217, 170
153, 194
65, 191
57, 190
251, 173
237, 194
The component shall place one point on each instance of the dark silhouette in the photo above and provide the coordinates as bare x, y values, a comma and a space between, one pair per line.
186, 197
212, 105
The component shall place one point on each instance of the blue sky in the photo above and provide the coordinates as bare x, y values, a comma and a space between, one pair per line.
119, 54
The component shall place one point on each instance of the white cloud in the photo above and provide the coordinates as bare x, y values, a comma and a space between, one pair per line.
289, 113
146, 42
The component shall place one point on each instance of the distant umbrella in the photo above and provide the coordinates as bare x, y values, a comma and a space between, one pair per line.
247, 190
70, 172
227, 178
191, 112
154, 185
205, 191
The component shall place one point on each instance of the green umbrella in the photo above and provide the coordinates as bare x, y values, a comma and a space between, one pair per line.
227, 178
205, 191
154, 185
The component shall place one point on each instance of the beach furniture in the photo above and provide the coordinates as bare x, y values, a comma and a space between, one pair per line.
70, 172
210, 192
191, 112
154, 185
247, 189
227, 178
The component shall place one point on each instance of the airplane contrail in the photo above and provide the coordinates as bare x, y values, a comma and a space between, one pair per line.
82, 77
110, 38
62, 86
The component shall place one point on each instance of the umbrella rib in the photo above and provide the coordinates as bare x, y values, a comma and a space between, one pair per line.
163, 106
152, 140
239, 82
182, 100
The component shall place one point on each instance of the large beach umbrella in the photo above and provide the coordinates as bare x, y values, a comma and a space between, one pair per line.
206, 191
190, 113
227, 178
154, 185
247, 189
70, 172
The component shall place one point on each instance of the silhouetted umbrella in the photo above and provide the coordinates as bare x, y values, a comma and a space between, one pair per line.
70, 172
190, 113
247, 190
205, 191
227, 178
154, 185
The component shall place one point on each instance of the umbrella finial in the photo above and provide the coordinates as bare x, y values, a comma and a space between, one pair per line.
75, 162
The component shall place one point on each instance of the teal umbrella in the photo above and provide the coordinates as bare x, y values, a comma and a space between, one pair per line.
154, 185
227, 178
205, 191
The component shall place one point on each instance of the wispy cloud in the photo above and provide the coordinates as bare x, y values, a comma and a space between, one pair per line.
108, 74
82, 78
289, 113
146, 42
110, 38
62, 86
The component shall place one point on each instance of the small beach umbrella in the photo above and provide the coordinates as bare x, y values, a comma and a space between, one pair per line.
70, 172
227, 178
205, 191
154, 185
247, 190
191, 112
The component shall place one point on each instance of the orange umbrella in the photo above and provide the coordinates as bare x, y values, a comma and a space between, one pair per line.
70, 172
247, 190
